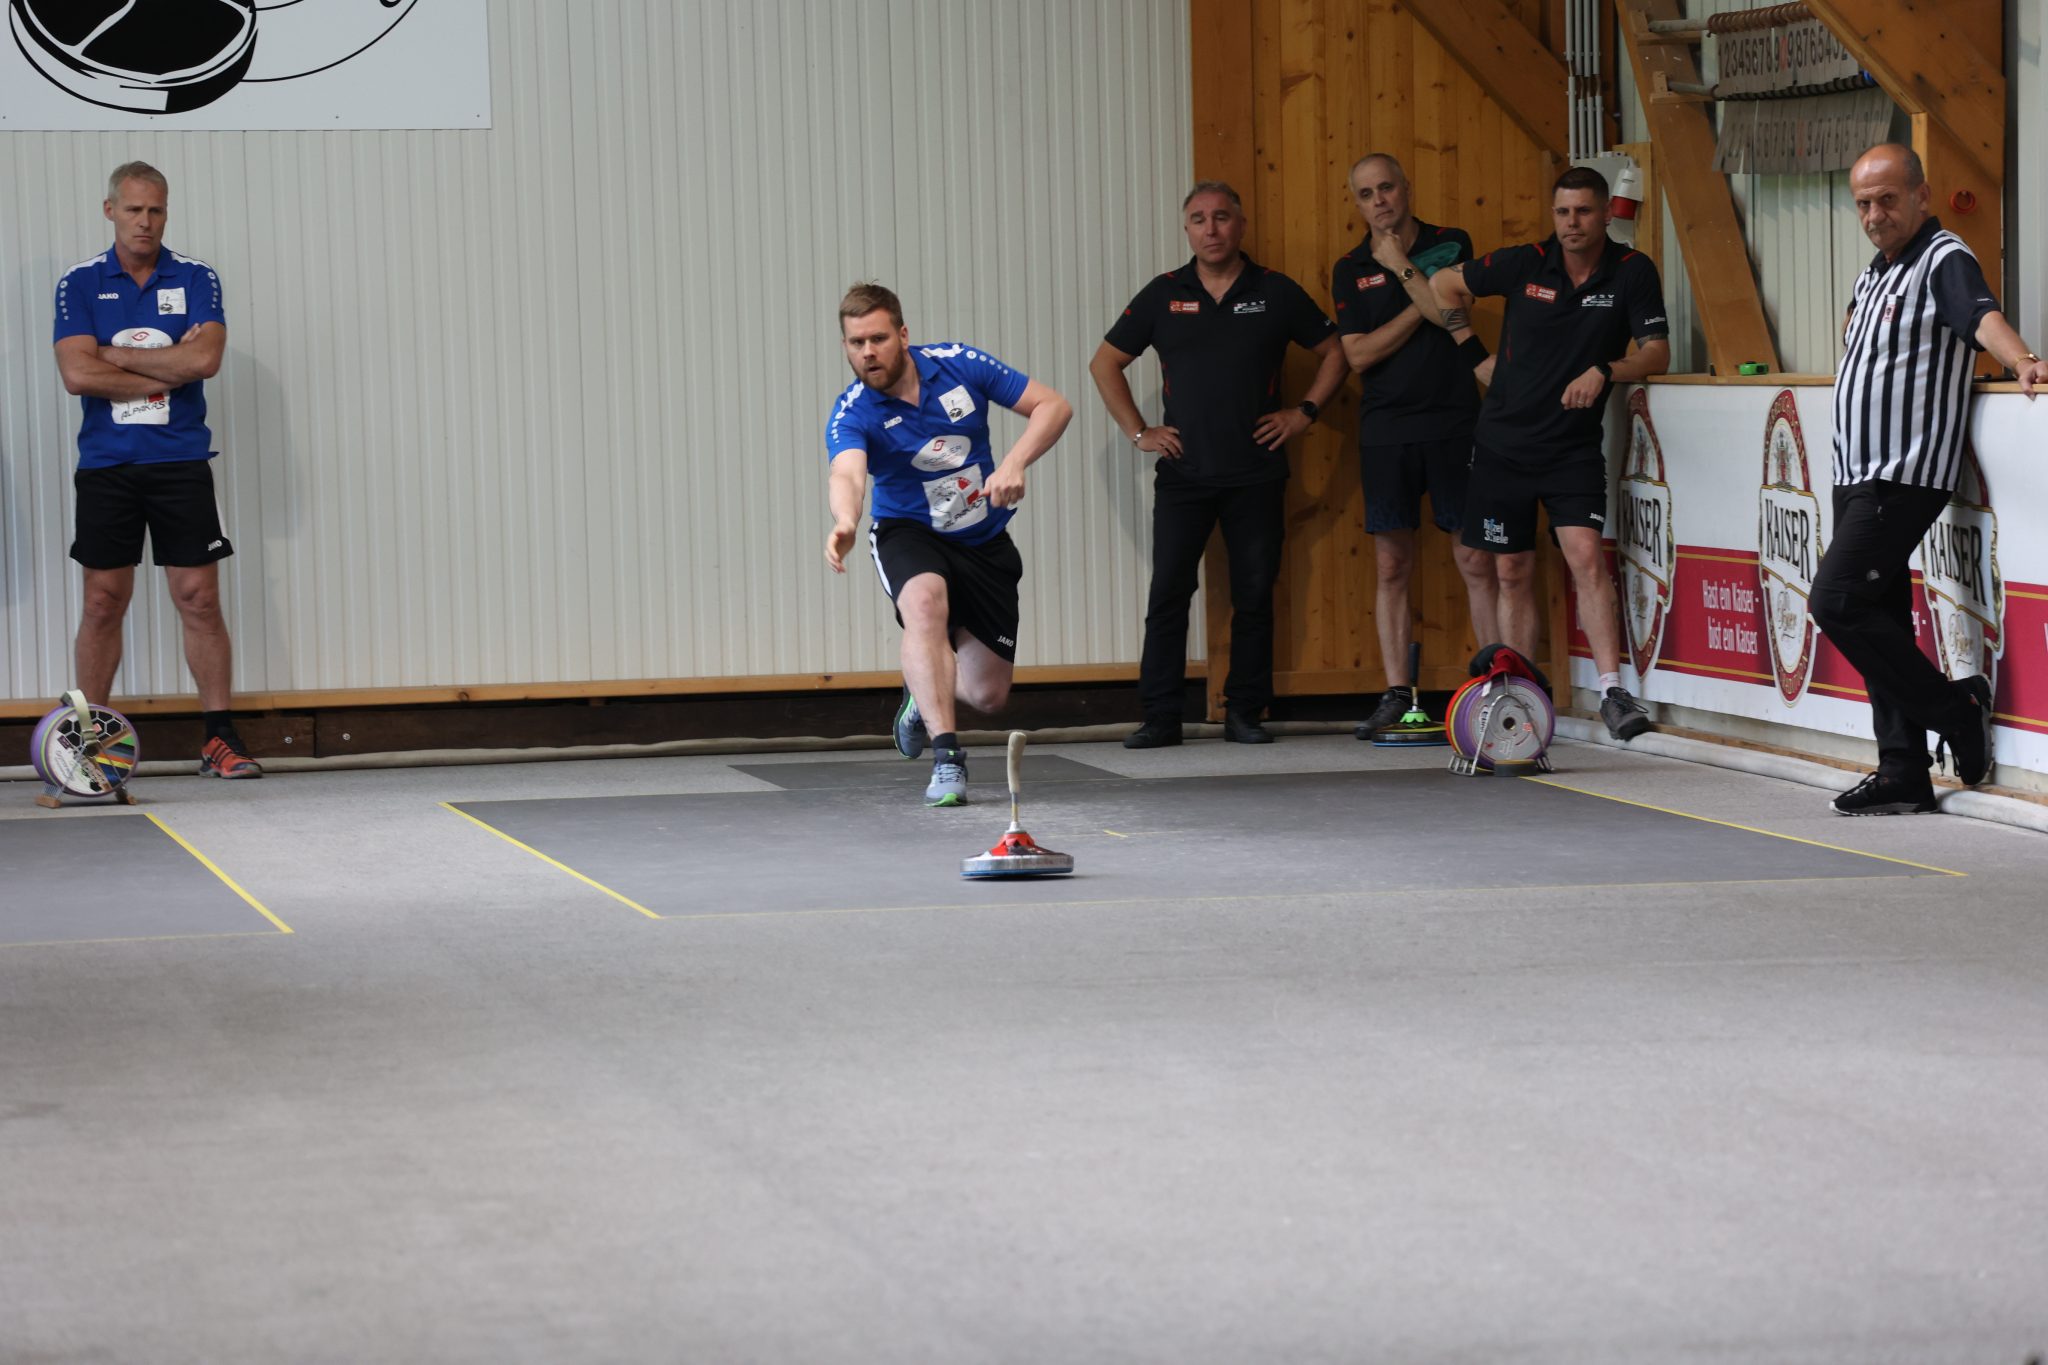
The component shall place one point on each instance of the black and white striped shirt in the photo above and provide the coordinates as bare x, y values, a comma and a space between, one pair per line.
1902, 393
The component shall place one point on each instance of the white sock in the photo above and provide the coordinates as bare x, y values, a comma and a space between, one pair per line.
1608, 680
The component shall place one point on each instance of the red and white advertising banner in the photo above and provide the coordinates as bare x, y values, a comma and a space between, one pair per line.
1722, 508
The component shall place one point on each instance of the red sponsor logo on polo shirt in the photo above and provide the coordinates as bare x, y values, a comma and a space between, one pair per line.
1372, 281
1540, 293
1183, 306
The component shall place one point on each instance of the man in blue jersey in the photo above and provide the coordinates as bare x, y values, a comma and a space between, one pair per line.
916, 419
138, 330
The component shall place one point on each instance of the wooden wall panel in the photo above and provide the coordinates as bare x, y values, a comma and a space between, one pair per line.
1324, 82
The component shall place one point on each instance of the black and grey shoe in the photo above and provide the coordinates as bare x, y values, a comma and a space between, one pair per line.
1394, 704
1883, 794
908, 729
1625, 716
948, 786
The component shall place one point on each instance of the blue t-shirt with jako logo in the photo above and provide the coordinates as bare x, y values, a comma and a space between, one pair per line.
99, 299
930, 461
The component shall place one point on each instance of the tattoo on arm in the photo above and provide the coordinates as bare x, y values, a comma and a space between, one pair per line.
1454, 318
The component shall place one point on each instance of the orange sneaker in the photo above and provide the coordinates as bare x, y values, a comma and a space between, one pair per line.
222, 759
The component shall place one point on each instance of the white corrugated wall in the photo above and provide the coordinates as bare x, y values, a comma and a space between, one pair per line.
545, 403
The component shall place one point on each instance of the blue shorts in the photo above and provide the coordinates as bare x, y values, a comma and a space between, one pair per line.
1396, 476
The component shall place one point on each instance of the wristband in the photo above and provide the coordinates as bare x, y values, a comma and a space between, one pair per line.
1308, 409
1474, 350
1606, 370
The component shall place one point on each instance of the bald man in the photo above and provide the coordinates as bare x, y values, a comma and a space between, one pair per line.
1921, 310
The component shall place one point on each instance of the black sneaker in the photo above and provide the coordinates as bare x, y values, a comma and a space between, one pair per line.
1970, 749
1239, 728
1625, 716
908, 729
1394, 704
1879, 794
1154, 734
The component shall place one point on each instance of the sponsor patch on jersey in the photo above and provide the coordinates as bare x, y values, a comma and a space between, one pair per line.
1541, 293
1372, 281
942, 453
1596, 301
1183, 306
893, 421
957, 402
170, 301
1244, 306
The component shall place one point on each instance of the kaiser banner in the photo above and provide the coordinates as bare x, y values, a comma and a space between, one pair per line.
1716, 617
245, 64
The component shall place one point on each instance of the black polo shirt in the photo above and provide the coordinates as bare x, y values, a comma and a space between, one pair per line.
1221, 363
1424, 391
1554, 333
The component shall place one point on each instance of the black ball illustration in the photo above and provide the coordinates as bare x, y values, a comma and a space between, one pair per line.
148, 57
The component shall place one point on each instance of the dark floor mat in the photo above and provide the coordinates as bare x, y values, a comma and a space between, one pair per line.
109, 875
1169, 838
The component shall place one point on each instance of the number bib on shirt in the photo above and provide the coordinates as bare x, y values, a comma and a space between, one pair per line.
155, 410
957, 500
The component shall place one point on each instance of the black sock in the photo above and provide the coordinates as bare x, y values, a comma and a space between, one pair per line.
946, 743
221, 725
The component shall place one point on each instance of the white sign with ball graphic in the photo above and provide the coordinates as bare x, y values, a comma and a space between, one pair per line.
245, 64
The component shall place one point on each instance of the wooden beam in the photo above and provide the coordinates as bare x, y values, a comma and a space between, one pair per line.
1702, 208
1516, 70
1927, 56
1222, 36
1220, 42
617, 689
1969, 203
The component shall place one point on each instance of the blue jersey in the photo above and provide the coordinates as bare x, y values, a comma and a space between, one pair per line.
97, 298
930, 462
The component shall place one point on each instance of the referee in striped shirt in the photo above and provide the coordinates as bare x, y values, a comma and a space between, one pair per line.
1902, 409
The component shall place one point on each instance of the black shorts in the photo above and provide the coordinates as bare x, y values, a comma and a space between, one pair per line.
981, 580
173, 501
1396, 476
1500, 501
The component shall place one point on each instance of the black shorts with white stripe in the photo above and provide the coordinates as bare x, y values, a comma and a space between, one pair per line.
981, 580
172, 500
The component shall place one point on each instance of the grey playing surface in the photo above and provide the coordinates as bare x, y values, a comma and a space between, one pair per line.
108, 876
992, 773
1260, 835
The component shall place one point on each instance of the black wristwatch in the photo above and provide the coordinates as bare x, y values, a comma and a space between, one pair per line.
1606, 370
1308, 409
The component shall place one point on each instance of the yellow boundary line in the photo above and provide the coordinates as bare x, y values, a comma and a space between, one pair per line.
552, 862
214, 868
139, 938
1329, 894
1751, 829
